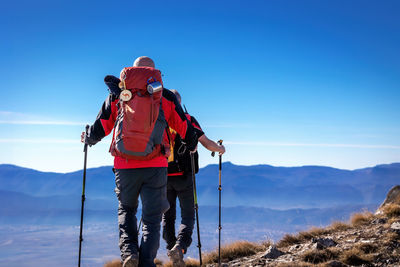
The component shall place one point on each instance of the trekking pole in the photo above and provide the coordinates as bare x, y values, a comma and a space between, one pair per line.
140, 223
219, 216
196, 206
83, 198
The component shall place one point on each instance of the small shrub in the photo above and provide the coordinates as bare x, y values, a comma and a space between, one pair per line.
355, 257
392, 210
233, 251
359, 219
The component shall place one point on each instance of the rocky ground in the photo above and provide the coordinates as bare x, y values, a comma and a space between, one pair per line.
376, 243
367, 240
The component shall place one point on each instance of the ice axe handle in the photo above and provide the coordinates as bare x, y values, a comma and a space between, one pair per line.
86, 131
219, 142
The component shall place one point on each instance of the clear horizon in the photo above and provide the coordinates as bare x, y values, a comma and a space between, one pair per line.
216, 165
283, 83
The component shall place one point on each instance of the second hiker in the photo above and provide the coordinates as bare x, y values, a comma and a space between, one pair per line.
180, 186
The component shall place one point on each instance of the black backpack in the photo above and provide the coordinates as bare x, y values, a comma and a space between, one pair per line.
180, 161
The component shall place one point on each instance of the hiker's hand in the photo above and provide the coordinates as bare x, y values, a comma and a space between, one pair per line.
87, 140
192, 142
221, 149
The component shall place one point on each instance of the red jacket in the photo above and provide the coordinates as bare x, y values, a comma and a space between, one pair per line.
174, 116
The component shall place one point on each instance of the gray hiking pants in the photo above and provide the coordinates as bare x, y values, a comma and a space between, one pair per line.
181, 187
150, 184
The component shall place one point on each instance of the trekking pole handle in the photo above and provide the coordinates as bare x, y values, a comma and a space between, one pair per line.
219, 142
86, 132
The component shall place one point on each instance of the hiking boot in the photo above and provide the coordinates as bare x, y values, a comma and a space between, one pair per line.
176, 256
131, 261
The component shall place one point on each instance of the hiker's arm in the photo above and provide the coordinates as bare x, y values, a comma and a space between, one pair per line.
211, 145
177, 120
104, 122
196, 125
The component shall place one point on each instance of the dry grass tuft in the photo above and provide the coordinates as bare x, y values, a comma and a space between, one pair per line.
367, 248
192, 263
339, 226
392, 210
113, 263
311, 233
189, 263
359, 219
392, 220
356, 257
397, 199
390, 238
267, 243
158, 262
318, 256
291, 264
117, 263
233, 251
303, 236
288, 240
167, 264
329, 264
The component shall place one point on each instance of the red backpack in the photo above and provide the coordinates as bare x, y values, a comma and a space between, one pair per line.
140, 124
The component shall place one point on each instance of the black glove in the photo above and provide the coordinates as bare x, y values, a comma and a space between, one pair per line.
112, 83
89, 139
191, 140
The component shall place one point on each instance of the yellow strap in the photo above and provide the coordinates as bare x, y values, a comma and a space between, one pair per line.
172, 144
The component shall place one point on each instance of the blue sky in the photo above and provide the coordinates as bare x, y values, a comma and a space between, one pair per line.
285, 83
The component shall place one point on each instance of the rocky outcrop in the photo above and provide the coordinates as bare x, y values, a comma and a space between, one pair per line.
272, 253
393, 197
322, 243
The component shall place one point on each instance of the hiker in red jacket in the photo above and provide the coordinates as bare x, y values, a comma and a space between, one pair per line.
180, 185
138, 173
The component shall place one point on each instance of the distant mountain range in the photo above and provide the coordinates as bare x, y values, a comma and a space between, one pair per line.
258, 186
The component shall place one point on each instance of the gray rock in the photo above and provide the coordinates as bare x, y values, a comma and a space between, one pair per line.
272, 253
317, 246
395, 226
321, 243
379, 221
